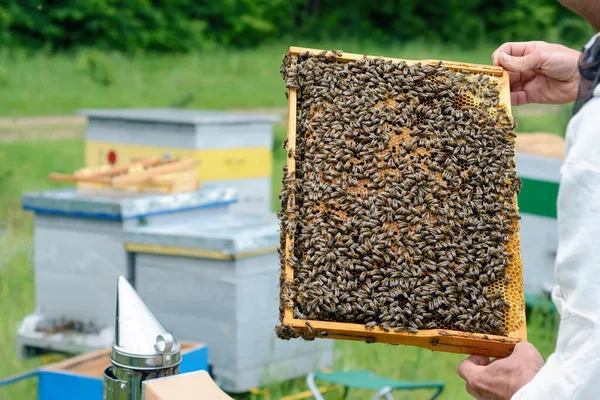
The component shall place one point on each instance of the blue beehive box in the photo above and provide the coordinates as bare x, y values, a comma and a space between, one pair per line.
81, 377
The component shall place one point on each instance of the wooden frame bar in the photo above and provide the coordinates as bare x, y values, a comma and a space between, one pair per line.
150, 174
477, 68
434, 339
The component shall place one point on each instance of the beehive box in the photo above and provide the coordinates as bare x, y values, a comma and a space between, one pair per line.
79, 252
539, 159
80, 377
234, 149
221, 276
399, 215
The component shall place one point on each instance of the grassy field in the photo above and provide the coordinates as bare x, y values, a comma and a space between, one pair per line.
43, 84
39, 85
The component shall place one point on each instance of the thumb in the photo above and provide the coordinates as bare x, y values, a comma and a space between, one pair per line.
529, 62
527, 351
471, 365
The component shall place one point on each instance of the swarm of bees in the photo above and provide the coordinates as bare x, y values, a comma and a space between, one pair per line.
402, 203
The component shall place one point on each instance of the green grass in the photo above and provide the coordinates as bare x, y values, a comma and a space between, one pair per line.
23, 166
41, 84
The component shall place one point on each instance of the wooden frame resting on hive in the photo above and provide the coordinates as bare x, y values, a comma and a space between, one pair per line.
157, 175
435, 339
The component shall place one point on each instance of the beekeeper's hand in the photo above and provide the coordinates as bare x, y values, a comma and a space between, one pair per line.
501, 378
540, 72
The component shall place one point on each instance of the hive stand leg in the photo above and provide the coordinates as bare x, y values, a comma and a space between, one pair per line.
437, 393
345, 394
385, 392
310, 381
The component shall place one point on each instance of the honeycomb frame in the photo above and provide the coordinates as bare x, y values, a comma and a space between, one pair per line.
434, 339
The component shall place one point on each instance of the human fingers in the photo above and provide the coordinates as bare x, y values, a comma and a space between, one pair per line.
471, 390
514, 77
527, 63
527, 351
518, 98
520, 77
516, 49
471, 366
517, 86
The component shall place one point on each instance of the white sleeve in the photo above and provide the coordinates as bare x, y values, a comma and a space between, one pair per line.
572, 371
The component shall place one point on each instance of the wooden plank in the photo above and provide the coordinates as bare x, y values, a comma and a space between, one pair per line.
145, 163
176, 176
103, 174
74, 178
291, 167
163, 176
119, 169
432, 339
504, 97
438, 339
187, 252
177, 166
478, 68
105, 181
165, 184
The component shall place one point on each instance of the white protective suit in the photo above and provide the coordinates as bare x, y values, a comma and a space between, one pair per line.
573, 370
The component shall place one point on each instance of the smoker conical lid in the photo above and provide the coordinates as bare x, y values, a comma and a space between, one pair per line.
141, 342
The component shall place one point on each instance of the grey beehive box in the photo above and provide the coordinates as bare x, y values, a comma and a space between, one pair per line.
221, 276
234, 148
78, 243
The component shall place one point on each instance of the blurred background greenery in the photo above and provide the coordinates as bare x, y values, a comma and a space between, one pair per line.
188, 25
60, 55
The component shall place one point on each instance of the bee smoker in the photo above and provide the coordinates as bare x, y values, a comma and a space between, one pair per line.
142, 348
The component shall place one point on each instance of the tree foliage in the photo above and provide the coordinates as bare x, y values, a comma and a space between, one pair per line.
186, 25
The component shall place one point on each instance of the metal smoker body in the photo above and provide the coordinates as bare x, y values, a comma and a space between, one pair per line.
142, 349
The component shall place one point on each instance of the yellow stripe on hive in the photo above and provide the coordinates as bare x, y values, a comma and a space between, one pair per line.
236, 163
196, 253
215, 164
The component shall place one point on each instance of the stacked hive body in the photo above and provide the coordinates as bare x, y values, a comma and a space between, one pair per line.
80, 252
221, 276
233, 149
399, 217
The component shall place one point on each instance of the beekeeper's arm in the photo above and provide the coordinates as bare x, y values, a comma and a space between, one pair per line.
544, 73
571, 372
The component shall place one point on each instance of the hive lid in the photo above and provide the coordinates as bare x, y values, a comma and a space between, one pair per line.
118, 205
141, 342
178, 116
223, 236
541, 144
